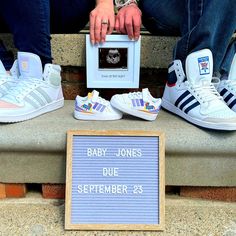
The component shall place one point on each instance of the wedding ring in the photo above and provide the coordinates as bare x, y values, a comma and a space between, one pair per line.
104, 22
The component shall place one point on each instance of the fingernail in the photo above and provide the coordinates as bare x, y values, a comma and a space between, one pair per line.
92, 41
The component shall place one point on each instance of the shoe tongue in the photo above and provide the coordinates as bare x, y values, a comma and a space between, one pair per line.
30, 65
93, 96
199, 67
146, 94
2, 69
232, 72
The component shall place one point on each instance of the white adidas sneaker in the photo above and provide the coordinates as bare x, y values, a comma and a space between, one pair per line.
194, 97
139, 104
7, 80
227, 87
93, 107
36, 93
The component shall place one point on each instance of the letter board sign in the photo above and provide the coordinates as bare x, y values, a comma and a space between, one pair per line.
115, 180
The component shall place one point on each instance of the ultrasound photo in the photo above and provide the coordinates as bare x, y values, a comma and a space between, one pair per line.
113, 58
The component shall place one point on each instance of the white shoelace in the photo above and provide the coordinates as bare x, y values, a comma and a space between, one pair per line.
135, 95
5, 78
206, 92
24, 87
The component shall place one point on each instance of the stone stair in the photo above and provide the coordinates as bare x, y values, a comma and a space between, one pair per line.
69, 49
200, 162
35, 151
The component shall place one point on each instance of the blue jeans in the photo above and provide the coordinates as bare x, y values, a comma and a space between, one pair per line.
199, 23
31, 23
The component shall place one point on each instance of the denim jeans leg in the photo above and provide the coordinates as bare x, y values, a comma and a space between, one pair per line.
208, 24
162, 17
70, 16
227, 60
6, 57
29, 22
200, 23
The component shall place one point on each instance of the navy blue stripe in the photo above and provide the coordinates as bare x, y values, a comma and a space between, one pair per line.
172, 77
223, 91
186, 93
186, 102
191, 107
232, 103
228, 97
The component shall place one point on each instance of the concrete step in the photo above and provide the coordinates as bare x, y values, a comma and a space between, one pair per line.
69, 49
34, 151
184, 217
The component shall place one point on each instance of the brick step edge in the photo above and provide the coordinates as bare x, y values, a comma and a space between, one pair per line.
227, 194
12, 190
57, 191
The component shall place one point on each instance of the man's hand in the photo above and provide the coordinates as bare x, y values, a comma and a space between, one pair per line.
128, 21
102, 21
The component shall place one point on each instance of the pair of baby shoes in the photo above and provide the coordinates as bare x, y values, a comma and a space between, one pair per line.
139, 104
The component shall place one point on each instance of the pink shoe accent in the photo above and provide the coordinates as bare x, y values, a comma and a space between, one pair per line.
7, 105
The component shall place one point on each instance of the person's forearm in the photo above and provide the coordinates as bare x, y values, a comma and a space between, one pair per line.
102, 20
104, 1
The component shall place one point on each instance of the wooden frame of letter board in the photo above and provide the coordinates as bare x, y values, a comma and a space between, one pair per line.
144, 227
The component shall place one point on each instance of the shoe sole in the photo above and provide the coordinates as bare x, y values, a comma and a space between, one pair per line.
81, 116
149, 117
42, 110
220, 126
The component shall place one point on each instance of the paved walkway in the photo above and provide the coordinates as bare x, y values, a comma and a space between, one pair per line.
34, 216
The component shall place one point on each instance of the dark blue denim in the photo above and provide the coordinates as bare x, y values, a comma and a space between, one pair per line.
31, 23
200, 23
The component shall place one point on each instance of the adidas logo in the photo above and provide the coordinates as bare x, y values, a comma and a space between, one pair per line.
228, 97
186, 102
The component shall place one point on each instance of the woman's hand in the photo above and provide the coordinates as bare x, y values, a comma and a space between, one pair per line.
128, 21
102, 21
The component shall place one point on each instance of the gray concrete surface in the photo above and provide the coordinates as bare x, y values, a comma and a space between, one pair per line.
34, 216
34, 151
69, 49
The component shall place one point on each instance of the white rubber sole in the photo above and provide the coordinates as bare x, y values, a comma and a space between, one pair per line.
142, 115
217, 126
42, 110
82, 116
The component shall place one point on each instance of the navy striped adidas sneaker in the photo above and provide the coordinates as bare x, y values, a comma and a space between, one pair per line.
227, 87
194, 97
